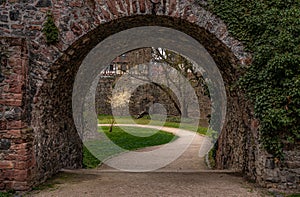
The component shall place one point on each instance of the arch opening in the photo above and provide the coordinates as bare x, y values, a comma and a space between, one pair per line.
54, 125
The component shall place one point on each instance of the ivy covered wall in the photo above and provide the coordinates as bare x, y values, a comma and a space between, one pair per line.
271, 31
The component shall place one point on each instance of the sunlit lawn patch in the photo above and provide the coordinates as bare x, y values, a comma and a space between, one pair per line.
104, 149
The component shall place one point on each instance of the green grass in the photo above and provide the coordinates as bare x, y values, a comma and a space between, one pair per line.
103, 149
173, 122
44, 186
89, 160
8, 194
294, 195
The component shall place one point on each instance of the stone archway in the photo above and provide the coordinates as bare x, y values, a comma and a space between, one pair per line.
63, 120
47, 101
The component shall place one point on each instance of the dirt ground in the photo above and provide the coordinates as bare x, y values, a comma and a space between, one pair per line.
147, 184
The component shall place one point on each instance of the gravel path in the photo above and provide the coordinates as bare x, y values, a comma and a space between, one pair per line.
186, 176
184, 154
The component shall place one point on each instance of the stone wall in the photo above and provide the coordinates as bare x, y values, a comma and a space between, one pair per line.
103, 95
82, 25
16, 138
145, 96
241, 150
279, 175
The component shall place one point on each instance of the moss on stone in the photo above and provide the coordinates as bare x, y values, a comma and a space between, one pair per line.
50, 30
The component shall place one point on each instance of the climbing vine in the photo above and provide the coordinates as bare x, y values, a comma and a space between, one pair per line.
271, 31
50, 30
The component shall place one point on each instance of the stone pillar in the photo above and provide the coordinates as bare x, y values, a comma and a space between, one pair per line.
16, 138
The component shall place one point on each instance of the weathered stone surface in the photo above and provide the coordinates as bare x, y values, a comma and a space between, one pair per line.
15, 136
44, 3
46, 86
14, 15
4, 144
4, 18
144, 97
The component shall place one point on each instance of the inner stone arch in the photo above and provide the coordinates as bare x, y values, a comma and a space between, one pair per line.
54, 125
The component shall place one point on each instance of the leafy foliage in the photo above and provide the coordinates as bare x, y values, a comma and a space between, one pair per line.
271, 31
50, 30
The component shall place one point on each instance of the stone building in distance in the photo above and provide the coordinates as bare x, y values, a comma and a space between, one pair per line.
136, 64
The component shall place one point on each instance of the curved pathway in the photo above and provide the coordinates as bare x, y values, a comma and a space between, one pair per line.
189, 149
186, 176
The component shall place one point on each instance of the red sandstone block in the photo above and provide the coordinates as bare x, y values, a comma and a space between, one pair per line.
44, 10
11, 96
21, 175
192, 18
10, 102
13, 1
17, 26
172, 6
22, 146
10, 157
7, 31
128, 6
134, 6
106, 15
3, 124
16, 185
2, 185
23, 157
112, 7
20, 186
13, 134
23, 152
75, 4
22, 165
142, 6
15, 124
5, 87
148, 5
16, 88
121, 6
35, 27
20, 140
9, 175
6, 165
7, 184
15, 62
37, 22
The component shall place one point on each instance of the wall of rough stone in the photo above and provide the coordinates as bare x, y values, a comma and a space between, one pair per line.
279, 175
103, 95
145, 96
52, 70
16, 138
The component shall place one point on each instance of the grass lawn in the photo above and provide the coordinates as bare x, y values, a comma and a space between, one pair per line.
173, 122
7, 194
103, 149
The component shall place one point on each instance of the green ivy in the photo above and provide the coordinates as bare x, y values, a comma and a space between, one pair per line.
271, 31
50, 30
